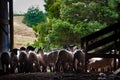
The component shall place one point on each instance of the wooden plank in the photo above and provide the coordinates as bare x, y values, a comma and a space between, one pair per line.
102, 55
102, 42
106, 30
4, 21
105, 49
4, 27
11, 24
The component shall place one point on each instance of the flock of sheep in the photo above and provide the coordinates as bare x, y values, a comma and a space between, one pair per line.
26, 60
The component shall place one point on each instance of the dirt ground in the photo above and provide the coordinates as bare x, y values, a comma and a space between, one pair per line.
22, 33
57, 76
50, 76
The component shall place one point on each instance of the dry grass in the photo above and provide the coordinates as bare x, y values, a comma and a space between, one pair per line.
22, 33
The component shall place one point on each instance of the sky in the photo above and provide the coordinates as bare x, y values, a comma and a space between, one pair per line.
21, 6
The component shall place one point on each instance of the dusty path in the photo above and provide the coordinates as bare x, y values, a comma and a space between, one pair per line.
22, 33
51, 76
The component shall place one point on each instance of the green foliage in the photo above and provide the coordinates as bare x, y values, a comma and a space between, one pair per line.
18, 14
42, 30
90, 27
34, 16
53, 8
71, 13
69, 20
92, 11
61, 30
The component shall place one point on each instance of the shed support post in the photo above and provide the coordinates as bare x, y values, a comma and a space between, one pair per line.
11, 24
4, 26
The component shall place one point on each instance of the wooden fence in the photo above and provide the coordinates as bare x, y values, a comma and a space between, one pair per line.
101, 44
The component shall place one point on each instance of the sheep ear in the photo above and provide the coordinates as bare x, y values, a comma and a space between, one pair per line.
11, 50
33, 48
39, 48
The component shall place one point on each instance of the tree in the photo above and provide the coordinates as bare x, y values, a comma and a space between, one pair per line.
34, 16
90, 11
42, 30
72, 19
53, 8
92, 15
61, 30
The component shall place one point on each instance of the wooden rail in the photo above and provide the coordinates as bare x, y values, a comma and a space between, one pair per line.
101, 43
